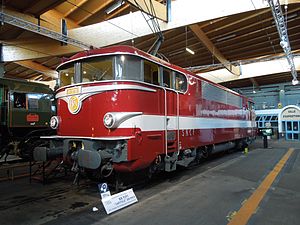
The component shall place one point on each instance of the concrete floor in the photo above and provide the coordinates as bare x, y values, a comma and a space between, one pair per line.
211, 193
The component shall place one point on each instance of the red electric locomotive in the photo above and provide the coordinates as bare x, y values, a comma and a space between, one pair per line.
121, 109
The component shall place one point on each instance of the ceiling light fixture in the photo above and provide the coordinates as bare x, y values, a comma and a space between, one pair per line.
190, 51
186, 44
115, 6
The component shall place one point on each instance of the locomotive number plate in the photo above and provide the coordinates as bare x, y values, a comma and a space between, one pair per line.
73, 91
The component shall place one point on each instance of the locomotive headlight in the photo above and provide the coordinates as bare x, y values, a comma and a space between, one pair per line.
109, 120
54, 121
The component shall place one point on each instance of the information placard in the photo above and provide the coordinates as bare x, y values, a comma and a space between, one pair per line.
118, 201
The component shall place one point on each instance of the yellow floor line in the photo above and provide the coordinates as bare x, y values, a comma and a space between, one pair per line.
250, 206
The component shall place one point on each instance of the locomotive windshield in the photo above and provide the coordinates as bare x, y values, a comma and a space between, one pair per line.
120, 67
102, 68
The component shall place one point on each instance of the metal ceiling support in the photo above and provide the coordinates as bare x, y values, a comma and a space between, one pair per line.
283, 35
23, 24
169, 10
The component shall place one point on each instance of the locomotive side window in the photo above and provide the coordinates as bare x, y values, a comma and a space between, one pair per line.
39, 102
180, 82
19, 100
128, 68
167, 78
213, 93
33, 101
151, 73
97, 69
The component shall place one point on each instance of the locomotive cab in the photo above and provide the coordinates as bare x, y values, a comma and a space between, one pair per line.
25, 107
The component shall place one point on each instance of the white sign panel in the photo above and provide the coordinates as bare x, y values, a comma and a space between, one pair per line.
118, 201
292, 114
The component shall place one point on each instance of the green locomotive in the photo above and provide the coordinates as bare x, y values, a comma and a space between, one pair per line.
25, 111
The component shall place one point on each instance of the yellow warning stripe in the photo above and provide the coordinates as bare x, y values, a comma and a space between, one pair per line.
250, 206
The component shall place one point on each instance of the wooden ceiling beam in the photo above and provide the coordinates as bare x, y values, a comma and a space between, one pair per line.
39, 68
74, 7
118, 11
160, 10
54, 17
39, 7
247, 27
240, 20
33, 48
252, 70
101, 6
283, 2
215, 51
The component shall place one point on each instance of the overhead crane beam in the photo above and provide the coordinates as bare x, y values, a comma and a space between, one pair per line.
24, 24
214, 50
53, 17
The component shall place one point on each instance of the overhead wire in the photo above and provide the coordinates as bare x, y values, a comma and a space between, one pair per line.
155, 28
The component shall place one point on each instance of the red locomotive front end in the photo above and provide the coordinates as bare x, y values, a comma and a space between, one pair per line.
121, 109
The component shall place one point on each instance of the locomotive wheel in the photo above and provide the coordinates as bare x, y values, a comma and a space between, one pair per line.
205, 152
150, 171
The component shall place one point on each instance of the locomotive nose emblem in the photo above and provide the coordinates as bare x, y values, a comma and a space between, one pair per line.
74, 104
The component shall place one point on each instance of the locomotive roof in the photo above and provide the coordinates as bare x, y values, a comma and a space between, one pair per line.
126, 49
25, 86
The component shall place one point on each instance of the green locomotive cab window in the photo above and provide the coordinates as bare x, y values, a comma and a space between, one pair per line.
19, 100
